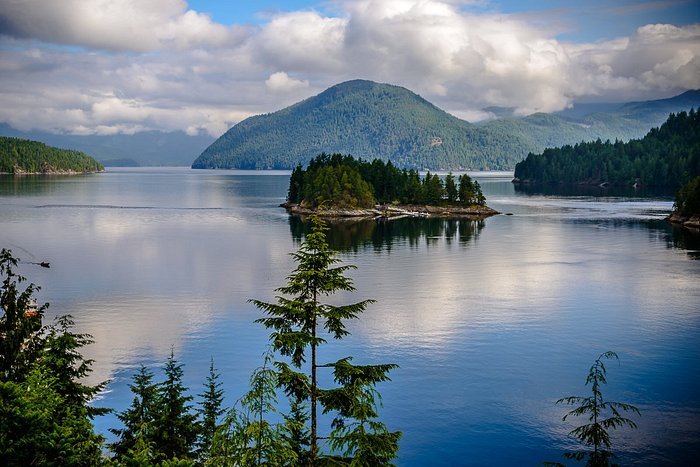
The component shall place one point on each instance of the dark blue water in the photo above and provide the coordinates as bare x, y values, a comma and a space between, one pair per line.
490, 322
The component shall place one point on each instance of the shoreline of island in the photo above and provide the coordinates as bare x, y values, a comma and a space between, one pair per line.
384, 211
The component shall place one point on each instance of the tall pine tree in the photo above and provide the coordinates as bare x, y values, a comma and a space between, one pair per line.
210, 410
297, 320
176, 428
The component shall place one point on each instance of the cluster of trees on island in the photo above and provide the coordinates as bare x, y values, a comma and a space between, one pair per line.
46, 410
18, 156
343, 181
667, 156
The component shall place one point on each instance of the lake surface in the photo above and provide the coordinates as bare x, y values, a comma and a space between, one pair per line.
491, 322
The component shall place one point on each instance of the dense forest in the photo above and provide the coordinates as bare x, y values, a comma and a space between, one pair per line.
688, 199
667, 156
397, 125
19, 156
144, 148
342, 181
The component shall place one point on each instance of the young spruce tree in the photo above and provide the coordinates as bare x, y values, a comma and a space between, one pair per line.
210, 410
603, 415
176, 427
297, 320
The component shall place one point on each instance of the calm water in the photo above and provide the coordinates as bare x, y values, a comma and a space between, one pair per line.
491, 321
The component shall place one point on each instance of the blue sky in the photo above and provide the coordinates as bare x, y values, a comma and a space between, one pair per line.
588, 20
110, 66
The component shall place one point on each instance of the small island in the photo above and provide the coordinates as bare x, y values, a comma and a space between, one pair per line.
27, 157
339, 186
686, 210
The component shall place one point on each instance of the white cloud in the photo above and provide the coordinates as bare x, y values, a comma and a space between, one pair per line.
112, 24
281, 82
171, 68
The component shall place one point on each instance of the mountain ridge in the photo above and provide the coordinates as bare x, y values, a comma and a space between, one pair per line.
374, 120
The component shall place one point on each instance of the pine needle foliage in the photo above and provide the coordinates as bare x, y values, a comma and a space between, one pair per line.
602, 414
297, 320
210, 410
246, 437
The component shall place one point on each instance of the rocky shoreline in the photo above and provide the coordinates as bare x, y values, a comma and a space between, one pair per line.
385, 211
18, 172
692, 222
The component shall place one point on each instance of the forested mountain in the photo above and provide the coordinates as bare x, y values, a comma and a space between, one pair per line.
147, 148
666, 156
372, 120
357, 117
25, 156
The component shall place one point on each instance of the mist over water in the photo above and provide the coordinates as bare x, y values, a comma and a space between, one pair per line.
490, 321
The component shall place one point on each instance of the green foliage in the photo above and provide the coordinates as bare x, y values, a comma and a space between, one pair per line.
394, 124
666, 156
160, 425
335, 180
602, 414
688, 199
176, 429
210, 410
246, 437
45, 409
135, 438
25, 156
296, 320
38, 426
20, 323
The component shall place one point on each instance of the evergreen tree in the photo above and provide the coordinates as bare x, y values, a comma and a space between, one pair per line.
603, 415
210, 410
296, 185
294, 431
246, 437
61, 356
175, 429
139, 419
688, 199
451, 193
296, 321
44, 407
20, 323
432, 189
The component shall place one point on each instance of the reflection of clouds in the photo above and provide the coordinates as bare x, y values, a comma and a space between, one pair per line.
534, 271
131, 330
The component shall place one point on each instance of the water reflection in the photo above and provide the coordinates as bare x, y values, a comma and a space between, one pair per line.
383, 235
595, 190
684, 239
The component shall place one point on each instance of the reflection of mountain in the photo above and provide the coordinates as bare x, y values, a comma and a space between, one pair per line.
356, 235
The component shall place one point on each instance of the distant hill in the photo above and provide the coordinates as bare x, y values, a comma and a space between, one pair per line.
21, 156
358, 117
667, 156
372, 120
147, 148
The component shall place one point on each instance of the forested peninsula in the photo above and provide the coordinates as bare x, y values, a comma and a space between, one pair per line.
668, 156
336, 186
26, 157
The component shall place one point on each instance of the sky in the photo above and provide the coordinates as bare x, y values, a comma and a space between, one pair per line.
125, 66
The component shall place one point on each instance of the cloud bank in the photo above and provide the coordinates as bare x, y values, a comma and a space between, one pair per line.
107, 66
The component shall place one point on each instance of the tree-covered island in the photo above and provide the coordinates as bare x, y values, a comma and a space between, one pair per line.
26, 157
336, 185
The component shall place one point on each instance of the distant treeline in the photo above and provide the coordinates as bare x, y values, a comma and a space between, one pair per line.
25, 156
343, 181
666, 156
